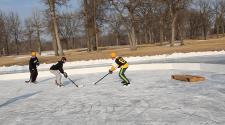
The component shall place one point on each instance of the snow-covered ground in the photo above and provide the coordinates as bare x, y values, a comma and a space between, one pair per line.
153, 98
193, 57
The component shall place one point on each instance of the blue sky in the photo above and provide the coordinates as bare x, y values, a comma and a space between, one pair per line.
24, 7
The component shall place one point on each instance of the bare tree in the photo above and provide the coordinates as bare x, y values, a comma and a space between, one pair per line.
49, 29
70, 26
144, 12
130, 20
2, 27
174, 7
222, 14
52, 4
115, 24
29, 31
205, 14
90, 12
15, 27
6, 33
65, 27
37, 25
160, 8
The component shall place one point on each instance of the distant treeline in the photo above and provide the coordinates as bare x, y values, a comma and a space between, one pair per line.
100, 23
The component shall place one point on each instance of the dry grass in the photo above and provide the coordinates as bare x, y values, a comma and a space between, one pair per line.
143, 50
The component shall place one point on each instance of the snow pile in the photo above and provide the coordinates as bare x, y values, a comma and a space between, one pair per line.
176, 56
48, 53
22, 57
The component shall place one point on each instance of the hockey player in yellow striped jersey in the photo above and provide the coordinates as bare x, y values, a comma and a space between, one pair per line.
119, 62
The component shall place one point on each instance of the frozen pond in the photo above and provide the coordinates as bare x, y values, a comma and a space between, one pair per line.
152, 99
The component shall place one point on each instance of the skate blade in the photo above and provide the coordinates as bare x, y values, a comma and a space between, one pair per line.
126, 85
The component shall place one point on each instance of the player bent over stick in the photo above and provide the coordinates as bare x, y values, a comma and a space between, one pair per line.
119, 62
57, 69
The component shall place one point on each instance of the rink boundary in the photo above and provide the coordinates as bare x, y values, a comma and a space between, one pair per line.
214, 68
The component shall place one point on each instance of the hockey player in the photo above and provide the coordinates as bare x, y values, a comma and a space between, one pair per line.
33, 63
119, 62
57, 69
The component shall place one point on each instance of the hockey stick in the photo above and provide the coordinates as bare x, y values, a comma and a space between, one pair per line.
101, 78
73, 82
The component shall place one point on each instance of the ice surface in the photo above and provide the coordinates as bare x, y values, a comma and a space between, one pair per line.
152, 99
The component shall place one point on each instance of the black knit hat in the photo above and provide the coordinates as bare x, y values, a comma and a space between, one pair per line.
63, 59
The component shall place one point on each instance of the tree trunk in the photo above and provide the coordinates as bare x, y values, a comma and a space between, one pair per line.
150, 36
91, 26
55, 27
30, 42
222, 25
86, 25
173, 29
205, 29
146, 30
217, 27
146, 36
54, 43
117, 39
161, 31
74, 46
88, 38
132, 39
217, 30
17, 46
39, 41
57, 37
67, 43
181, 34
93, 40
205, 33
95, 25
7, 45
3, 51
97, 41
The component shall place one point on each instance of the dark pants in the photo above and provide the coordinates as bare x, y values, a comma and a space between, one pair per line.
33, 75
122, 75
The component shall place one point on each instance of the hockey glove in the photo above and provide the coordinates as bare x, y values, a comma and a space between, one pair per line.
110, 71
65, 74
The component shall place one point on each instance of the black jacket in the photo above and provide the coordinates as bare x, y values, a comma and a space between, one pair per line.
58, 66
33, 63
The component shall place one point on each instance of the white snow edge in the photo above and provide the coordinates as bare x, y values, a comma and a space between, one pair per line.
215, 68
109, 61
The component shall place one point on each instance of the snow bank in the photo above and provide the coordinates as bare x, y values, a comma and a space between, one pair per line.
47, 53
108, 61
215, 68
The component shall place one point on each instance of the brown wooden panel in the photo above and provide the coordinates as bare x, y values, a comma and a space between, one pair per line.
188, 78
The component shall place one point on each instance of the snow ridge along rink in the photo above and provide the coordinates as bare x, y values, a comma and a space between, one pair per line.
152, 99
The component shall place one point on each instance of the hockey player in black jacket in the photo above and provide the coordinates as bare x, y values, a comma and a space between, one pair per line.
119, 62
57, 69
33, 63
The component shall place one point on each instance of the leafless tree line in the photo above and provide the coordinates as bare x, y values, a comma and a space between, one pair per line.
16, 38
100, 23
